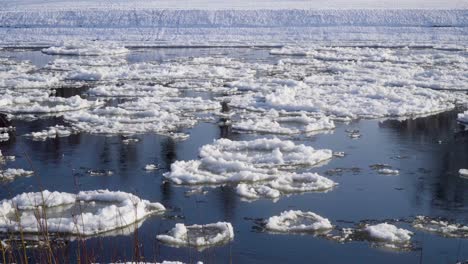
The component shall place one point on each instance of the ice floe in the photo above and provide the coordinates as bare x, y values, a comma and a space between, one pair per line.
10, 174
463, 117
272, 122
245, 161
151, 167
389, 233
387, 171
200, 236
4, 159
463, 173
141, 116
4, 137
48, 105
86, 49
99, 211
256, 191
51, 132
298, 221
440, 226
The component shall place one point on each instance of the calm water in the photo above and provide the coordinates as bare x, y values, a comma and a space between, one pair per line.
428, 152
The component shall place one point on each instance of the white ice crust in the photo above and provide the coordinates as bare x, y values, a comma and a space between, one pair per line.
119, 210
245, 161
298, 221
10, 173
200, 236
389, 233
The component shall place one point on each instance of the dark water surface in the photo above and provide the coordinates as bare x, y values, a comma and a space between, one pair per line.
428, 152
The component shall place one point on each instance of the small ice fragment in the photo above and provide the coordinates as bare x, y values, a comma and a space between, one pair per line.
151, 167
387, 171
463, 173
4, 137
339, 154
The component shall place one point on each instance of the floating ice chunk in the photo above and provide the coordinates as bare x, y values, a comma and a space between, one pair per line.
160, 115
4, 137
339, 154
292, 51
389, 233
133, 90
440, 226
298, 221
51, 132
463, 173
100, 173
256, 191
463, 117
263, 152
86, 49
151, 167
130, 140
304, 182
11, 174
109, 211
200, 236
387, 171
3, 159
276, 124
52, 105
237, 161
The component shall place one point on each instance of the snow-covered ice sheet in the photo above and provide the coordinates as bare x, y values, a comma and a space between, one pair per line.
245, 161
298, 221
200, 236
99, 211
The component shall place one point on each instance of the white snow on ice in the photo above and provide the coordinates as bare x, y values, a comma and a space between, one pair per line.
245, 161
117, 210
298, 221
200, 236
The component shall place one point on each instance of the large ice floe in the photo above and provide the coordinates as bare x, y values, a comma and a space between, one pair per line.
298, 221
199, 236
85, 213
85, 49
440, 226
245, 161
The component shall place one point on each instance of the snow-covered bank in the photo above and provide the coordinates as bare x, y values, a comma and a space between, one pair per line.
182, 25
163, 18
